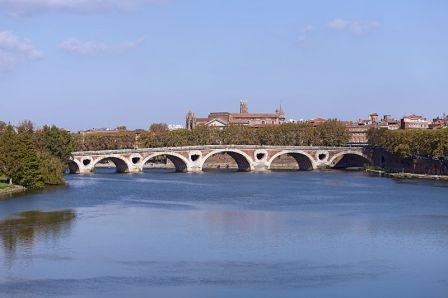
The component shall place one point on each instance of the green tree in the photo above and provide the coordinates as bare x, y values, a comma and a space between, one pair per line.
411, 143
34, 158
25, 126
28, 174
3, 126
158, 128
333, 133
58, 142
8, 150
51, 169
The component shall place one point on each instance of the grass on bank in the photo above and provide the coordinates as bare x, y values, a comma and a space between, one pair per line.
5, 186
4, 183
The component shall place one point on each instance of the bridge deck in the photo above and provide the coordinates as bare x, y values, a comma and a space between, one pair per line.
214, 147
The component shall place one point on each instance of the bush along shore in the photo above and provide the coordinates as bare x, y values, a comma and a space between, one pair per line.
32, 159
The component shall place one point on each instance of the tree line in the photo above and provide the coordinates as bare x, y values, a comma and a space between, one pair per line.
409, 143
330, 133
105, 140
34, 158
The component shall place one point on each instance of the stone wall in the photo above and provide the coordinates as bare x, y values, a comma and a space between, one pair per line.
285, 162
220, 161
386, 160
225, 161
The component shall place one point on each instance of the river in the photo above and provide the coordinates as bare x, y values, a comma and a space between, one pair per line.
219, 234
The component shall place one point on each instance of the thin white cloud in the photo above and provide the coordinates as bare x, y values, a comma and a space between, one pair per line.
78, 47
338, 24
304, 40
356, 27
15, 50
308, 29
363, 27
21, 7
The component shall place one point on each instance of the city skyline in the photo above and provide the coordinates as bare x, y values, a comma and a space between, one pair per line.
139, 62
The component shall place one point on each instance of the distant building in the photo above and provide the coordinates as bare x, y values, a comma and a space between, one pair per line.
102, 130
174, 126
316, 121
359, 129
296, 120
414, 122
373, 118
438, 123
389, 123
222, 119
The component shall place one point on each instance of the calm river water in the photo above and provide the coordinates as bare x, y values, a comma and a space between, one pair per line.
283, 234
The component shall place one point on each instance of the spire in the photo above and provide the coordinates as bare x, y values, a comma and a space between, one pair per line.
280, 110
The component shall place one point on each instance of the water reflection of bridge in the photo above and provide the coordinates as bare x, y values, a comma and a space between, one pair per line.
246, 157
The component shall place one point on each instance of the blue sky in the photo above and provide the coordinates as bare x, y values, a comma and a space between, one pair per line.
103, 63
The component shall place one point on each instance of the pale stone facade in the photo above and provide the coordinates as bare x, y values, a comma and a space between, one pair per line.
414, 122
222, 119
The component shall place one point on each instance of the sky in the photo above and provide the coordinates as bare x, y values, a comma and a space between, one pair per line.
81, 64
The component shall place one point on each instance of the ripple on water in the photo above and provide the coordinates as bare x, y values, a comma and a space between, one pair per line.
261, 275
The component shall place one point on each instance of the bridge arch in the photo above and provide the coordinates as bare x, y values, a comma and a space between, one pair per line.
347, 159
121, 163
74, 166
179, 161
303, 159
243, 160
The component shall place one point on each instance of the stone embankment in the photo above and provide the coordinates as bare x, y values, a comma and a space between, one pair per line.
395, 165
383, 173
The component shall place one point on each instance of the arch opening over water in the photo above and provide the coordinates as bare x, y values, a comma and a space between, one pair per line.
165, 161
73, 167
349, 160
291, 161
119, 164
227, 160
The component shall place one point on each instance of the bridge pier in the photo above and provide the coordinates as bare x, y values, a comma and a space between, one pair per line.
194, 169
134, 169
261, 167
85, 170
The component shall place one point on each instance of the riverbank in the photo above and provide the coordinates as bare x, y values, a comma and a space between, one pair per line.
7, 189
404, 175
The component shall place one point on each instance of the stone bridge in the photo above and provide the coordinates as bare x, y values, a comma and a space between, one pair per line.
248, 158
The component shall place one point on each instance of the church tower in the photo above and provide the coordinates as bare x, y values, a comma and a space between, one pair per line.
190, 120
244, 107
